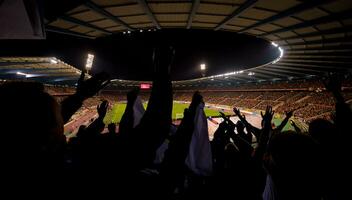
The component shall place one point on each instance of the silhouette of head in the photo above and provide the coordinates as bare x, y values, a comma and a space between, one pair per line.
294, 163
322, 131
31, 122
112, 128
240, 127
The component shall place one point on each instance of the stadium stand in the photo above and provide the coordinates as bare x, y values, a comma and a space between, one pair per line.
152, 158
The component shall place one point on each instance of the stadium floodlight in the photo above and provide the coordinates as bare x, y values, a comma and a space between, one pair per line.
21, 73
27, 75
202, 66
251, 73
89, 62
128, 32
281, 52
141, 30
274, 44
53, 61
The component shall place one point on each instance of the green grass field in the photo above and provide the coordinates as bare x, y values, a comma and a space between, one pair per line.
114, 115
288, 126
117, 110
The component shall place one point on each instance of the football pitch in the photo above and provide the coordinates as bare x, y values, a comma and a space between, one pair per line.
115, 113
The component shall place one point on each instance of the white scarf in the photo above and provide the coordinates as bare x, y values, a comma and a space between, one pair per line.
199, 158
138, 111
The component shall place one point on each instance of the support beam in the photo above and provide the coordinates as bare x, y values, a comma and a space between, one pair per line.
309, 65
194, 9
343, 48
236, 78
247, 5
289, 12
101, 11
85, 24
294, 68
265, 71
321, 20
66, 32
315, 61
342, 30
147, 10
272, 70
346, 40
262, 74
319, 56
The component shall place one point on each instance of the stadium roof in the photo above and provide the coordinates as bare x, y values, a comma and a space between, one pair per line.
315, 36
48, 70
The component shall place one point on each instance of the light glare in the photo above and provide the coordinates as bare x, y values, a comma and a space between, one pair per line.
90, 59
274, 44
53, 61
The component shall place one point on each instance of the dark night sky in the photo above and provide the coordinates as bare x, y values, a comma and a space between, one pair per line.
129, 56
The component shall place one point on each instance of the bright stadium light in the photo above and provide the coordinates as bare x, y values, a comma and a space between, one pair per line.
53, 61
281, 52
27, 75
251, 73
89, 62
202, 66
21, 73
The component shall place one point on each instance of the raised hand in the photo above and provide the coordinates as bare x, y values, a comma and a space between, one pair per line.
289, 114
196, 99
333, 83
88, 88
268, 116
132, 95
297, 129
226, 118
102, 108
162, 59
237, 111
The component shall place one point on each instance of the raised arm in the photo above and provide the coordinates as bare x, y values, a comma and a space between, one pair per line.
155, 124
265, 136
98, 125
127, 120
343, 116
284, 122
85, 89
174, 161
297, 129
256, 131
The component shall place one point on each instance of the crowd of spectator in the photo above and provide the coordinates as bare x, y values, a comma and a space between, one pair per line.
309, 104
154, 159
